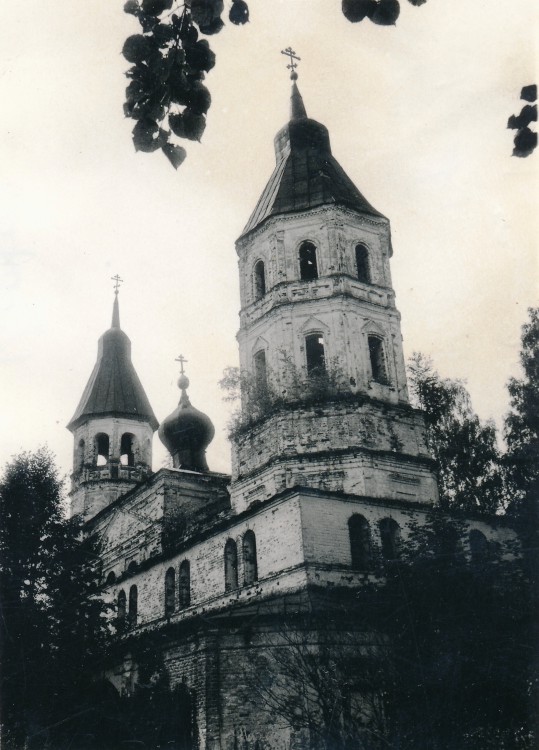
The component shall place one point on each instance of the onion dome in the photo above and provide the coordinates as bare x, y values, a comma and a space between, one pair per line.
114, 388
187, 432
306, 174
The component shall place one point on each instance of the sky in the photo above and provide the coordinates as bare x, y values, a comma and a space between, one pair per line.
417, 117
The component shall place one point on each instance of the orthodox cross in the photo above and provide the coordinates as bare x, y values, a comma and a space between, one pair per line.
117, 281
181, 359
293, 65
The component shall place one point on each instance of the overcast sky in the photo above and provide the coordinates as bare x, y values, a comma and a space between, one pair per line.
416, 115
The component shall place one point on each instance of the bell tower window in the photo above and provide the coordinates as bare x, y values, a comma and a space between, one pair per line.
127, 455
362, 264
80, 456
308, 267
260, 279
231, 565
315, 354
261, 375
378, 360
102, 449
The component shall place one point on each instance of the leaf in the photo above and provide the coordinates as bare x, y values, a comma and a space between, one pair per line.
529, 93
199, 98
163, 34
156, 7
137, 48
417, 3
525, 142
386, 12
239, 12
356, 10
189, 124
205, 12
200, 56
527, 114
175, 154
146, 135
132, 7
212, 28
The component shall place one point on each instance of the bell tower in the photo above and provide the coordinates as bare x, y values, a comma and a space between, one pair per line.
320, 341
112, 427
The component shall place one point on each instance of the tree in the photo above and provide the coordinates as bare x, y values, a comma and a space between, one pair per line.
522, 428
166, 95
470, 476
53, 627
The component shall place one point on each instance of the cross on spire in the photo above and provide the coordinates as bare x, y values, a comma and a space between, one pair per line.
117, 281
289, 52
181, 359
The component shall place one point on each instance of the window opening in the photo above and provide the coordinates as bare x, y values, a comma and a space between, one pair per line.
185, 584
478, 546
378, 360
127, 455
111, 578
260, 279
231, 565
362, 264
102, 448
360, 542
261, 375
170, 592
250, 568
314, 350
120, 612
308, 267
389, 535
133, 606
80, 456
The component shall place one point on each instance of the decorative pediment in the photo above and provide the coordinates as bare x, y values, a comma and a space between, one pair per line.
314, 324
370, 326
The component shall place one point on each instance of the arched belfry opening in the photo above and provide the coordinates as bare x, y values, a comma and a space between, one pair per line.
102, 447
259, 279
315, 354
362, 264
308, 265
127, 449
378, 360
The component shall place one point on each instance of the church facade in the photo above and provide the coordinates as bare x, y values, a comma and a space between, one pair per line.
330, 467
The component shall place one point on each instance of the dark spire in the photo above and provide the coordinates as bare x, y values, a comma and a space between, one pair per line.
114, 388
306, 174
297, 108
187, 432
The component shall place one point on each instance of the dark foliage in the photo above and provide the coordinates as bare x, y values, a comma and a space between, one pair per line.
166, 95
53, 625
525, 139
470, 473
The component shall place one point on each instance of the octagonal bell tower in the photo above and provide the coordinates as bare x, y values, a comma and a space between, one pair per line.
320, 339
112, 427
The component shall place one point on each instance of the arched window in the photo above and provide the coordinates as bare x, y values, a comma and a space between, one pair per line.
110, 579
185, 584
261, 374
132, 567
120, 611
80, 456
102, 448
315, 354
360, 542
378, 359
479, 547
250, 568
127, 455
260, 279
362, 264
308, 267
389, 536
170, 592
231, 565
133, 606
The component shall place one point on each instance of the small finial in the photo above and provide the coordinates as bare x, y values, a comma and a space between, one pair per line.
183, 380
289, 52
117, 281
115, 308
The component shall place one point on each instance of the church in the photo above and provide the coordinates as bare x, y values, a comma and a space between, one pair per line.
330, 468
